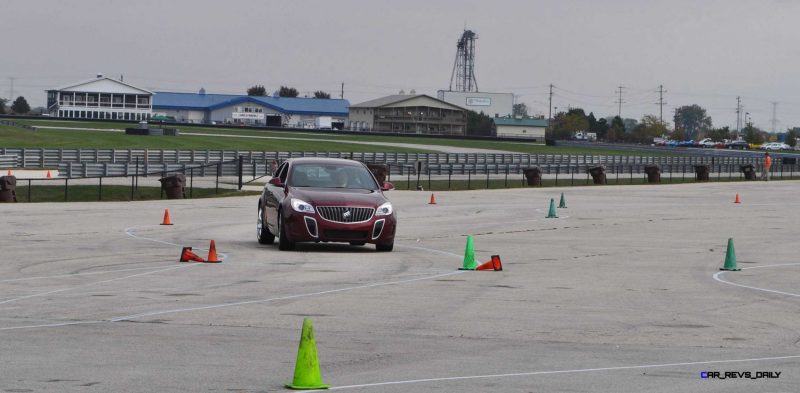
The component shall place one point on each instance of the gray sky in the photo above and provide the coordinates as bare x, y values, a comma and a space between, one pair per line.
703, 52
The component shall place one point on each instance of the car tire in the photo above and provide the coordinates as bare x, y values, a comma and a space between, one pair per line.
284, 244
262, 231
384, 247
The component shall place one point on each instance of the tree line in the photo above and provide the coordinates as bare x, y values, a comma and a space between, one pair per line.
284, 91
18, 107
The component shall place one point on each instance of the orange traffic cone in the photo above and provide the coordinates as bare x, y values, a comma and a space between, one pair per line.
49, 175
166, 218
737, 199
188, 256
433, 200
212, 253
493, 264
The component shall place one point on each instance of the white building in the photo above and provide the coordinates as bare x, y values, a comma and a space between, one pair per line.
100, 98
491, 104
508, 127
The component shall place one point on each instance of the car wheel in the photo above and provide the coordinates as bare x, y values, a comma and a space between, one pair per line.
284, 244
357, 243
262, 231
384, 247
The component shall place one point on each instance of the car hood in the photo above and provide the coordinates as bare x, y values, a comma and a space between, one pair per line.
338, 196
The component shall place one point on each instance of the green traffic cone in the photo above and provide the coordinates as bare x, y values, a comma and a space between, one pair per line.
469, 256
306, 371
563, 203
730, 258
552, 213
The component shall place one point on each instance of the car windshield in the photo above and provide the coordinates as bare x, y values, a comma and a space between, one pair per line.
332, 176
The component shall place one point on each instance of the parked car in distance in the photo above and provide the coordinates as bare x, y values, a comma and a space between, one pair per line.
707, 142
739, 145
325, 200
775, 146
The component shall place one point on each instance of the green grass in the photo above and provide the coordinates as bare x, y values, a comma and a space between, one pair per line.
12, 137
55, 138
88, 193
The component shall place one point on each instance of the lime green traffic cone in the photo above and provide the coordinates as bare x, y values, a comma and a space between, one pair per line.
730, 258
552, 213
306, 371
562, 204
469, 256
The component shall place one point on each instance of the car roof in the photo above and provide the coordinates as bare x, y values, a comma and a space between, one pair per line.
325, 160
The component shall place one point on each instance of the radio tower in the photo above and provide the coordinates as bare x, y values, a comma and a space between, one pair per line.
464, 66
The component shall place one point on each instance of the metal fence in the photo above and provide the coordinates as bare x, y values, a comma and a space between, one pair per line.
118, 161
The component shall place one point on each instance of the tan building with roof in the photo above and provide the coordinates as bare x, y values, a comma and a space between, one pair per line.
409, 114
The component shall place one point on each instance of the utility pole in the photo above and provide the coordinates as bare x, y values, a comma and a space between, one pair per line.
774, 120
661, 103
11, 89
619, 101
342, 95
738, 115
550, 111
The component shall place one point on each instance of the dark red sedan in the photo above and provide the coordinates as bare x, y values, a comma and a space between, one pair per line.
325, 200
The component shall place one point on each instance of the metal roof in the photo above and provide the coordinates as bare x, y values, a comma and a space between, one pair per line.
104, 82
508, 121
398, 98
300, 106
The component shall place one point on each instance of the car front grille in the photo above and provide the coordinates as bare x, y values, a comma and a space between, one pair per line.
345, 214
345, 235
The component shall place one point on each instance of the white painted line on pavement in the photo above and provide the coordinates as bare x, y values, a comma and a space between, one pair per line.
574, 371
720, 273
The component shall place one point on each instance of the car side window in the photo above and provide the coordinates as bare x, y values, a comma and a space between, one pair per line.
283, 171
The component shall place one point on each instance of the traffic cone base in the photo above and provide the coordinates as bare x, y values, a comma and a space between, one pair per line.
166, 220
562, 204
188, 256
492, 264
730, 258
469, 256
212, 253
552, 212
307, 375
737, 199
433, 200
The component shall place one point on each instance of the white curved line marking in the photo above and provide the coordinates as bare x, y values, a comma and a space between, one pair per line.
89, 284
718, 274
212, 306
78, 274
130, 232
574, 371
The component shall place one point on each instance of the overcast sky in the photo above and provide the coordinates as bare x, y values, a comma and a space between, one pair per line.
702, 52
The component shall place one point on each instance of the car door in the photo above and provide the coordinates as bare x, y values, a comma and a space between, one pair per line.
274, 195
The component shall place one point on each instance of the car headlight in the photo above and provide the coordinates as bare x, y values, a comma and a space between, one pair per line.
301, 206
384, 210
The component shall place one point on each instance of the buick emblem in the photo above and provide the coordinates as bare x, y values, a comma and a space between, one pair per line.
346, 214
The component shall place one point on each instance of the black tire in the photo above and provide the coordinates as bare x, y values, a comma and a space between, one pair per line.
384, 247
284, 244
357, 243
262, 231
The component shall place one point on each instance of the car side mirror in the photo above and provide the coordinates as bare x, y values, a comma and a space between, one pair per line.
276, 181
387, 186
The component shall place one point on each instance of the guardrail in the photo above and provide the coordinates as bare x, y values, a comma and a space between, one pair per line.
50, 158
8, 160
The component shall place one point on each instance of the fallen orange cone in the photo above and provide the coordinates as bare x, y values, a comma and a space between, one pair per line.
433, 200
166, 220
188, 256
212, 254
493, 264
